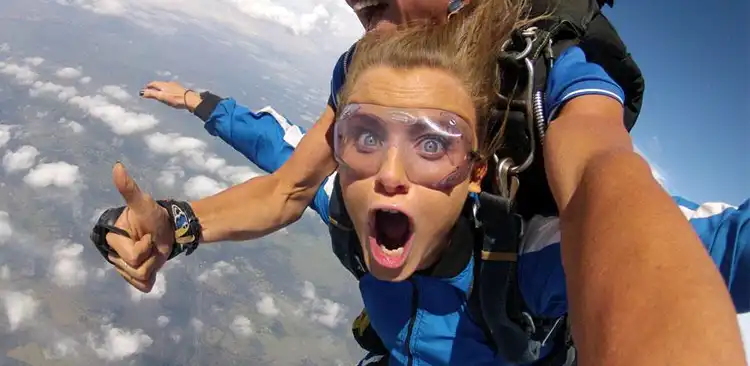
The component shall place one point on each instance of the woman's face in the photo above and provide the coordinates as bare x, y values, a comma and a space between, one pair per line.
403, 226
382, 14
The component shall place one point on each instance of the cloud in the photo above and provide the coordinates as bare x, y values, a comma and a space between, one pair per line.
117, 344
22, 159
162, 321
34, 61
62, 348
63, 93
159, 289
68, 73
116, 92
59, 174
6, 231
85, 80
72, 125
324, 311
172, 143
4, 47
68, 270
217, 270
192, 152
196, 324
169, 175
324, 18
4, 134
120, 120
22, 74
202, 186
266, 306
19, 307
241, 326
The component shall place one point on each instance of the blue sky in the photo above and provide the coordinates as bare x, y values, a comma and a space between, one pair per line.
694, 126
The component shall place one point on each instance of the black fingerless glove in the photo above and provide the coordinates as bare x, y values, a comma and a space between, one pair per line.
187, 229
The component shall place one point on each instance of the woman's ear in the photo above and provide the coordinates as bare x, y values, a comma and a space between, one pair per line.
477, 174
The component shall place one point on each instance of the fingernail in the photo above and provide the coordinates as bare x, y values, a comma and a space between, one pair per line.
118, 162
140, 93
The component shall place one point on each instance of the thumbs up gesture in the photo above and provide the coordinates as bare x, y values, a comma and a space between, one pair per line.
142, 237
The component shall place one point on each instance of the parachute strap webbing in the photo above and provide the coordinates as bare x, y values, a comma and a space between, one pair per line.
499, 257
502, 229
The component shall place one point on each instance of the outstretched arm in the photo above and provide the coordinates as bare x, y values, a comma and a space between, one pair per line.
637, 274
264, 137
265, 204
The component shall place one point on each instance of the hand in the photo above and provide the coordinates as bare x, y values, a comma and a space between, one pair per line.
151, 235
172, 94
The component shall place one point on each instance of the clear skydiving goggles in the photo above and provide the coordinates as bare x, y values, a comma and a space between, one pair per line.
435, 147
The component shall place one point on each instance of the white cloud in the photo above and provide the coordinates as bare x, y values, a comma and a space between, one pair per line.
237, 174
5, 272
85, 80
22, 159
72, 125
68, 270
5, 229
62, 348
34, 61
63, 93
172, 143
192, 151
19, 307
162, 321
217, 270
4, 47
60, 174
169, 175
324, 311
23, 74
117, 344
266, 306
241, 326
68, 73
324, 18
4, 134
116, 92
120, 120
159, 289
202, 186
196, 324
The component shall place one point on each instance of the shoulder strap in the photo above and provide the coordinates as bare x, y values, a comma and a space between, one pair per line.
496, 301
497, 280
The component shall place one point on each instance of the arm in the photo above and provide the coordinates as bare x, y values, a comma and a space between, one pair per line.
628, 252
265, 137
265, 204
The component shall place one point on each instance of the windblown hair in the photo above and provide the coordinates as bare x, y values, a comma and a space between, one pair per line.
466, 46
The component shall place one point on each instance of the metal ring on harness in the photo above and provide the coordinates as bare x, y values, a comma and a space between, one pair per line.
506, 182
529, 36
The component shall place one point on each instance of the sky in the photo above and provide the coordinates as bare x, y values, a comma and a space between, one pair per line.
70, 71
694, 126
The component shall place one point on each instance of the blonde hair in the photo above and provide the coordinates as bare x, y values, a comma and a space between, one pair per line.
466, 46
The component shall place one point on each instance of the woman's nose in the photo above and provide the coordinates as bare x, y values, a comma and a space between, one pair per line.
392, 178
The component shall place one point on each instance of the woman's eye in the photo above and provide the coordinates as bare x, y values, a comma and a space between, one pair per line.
368, 139
432, 146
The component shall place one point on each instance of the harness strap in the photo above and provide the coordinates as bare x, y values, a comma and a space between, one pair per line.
500, 245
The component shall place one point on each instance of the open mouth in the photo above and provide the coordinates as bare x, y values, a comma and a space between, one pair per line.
370, 11
391, 233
